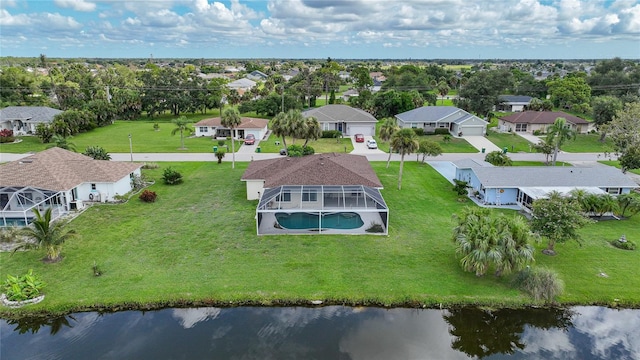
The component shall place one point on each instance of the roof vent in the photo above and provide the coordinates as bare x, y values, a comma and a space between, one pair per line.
25, 161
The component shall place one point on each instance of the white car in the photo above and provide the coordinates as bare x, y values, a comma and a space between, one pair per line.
372, 144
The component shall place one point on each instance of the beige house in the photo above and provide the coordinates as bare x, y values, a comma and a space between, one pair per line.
213, 127
530, 121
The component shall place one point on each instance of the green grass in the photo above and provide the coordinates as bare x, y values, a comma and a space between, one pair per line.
320, 145
589, 143
115, 139
198, 245
617, 164
455, 145
511, 141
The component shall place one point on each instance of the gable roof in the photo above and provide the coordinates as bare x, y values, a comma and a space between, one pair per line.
318, 169
436, 114
542, 117
34, 114
60, 170
245, 123
515, 99
340, 113
548, 176
243, 83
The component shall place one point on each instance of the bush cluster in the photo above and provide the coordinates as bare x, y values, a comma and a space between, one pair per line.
25, 287
627, 245
331, 134
171, 176
148, 196
6, 136
541, 283
298, 151
150, 165
419, 131
441, 131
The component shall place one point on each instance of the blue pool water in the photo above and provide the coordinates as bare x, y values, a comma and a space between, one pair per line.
303, 220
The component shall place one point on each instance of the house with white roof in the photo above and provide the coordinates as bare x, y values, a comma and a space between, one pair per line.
344, 118
429, 118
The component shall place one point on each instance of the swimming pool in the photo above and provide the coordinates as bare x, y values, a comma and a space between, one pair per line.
302, 220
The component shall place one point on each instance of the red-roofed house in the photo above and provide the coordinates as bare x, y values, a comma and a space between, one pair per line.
322, 193
213, 127
530, 121
60, 179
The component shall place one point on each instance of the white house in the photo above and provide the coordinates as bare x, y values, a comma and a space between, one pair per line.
429, 118
24, 119
59, 179
213, 127
513, 103
344, 118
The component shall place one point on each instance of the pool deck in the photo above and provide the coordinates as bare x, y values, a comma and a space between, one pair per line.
269, 219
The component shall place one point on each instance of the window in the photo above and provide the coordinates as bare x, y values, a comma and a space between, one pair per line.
613, 191
284, 196
204, 129
93, 186
521, 127
414, 125
310, 195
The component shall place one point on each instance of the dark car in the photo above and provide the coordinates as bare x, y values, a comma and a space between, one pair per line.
359, 137
249, 139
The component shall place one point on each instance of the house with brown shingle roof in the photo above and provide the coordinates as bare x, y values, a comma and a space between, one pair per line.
530, 121
60, 179
213, 127
322, 193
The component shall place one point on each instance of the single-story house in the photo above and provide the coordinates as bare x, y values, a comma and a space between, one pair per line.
457, 121
530, 121
317, 194
59, 179
213, 127
521, 185
257, 75
24, 119
513, 103
344, 118
241, 84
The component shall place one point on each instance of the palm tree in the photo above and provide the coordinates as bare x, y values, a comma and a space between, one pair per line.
443, 90
231, 119
182, 125
387, 129
606, 203
313, 131
406, 142
557, 134
48, 234
63, 143
279, 127
295, 125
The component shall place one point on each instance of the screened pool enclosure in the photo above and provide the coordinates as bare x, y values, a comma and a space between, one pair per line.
326, 209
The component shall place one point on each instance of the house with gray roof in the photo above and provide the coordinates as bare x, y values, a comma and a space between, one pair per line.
521, 185
513, 103
257, 75
61, 180
24, 119
344, 118
429, 118
316, 194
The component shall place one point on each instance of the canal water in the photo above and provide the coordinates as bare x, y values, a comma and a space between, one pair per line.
332, 332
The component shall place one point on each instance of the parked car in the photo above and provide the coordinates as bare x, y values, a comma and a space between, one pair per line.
359, 137
249, 139
372, 144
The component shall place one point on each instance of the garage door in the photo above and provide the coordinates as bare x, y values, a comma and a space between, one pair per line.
364, 130
472, 130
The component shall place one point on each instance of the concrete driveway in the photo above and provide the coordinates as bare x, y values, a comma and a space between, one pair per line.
362, 149
481, 142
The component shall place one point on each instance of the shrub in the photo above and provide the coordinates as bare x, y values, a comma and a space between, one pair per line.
623, 244
97, 153
171, 176
446, 138
156, 127
6, 136
294, 150
220, 155
541, 283
148, 196
25, 287
8, 234
138, 182
221, 142
308, 150
537, 132
419, 131
150, 165
441, 131
331, 134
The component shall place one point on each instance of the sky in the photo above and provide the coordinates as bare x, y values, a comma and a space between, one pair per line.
317, 29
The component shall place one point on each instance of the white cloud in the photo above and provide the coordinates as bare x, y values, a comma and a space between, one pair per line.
78, 5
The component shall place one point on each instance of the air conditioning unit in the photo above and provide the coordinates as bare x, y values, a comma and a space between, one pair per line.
94, 196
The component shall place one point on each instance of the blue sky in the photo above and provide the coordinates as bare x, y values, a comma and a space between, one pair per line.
361, 29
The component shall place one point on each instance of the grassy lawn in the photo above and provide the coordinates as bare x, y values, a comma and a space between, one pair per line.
511, 141
320, 145
455, 145
115, 138
198, 245
588, 143
617, 164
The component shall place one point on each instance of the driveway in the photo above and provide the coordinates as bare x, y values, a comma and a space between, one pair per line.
362, 149
529, 137
481, 142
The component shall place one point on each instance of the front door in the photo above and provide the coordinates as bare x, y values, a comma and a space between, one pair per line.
340, 127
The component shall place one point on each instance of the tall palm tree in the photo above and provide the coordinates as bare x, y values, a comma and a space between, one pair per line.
557, 134
295, 125
182, 126
231, 119
387, 129
279, 127
47, 234
406, 142
443, 90
313, 131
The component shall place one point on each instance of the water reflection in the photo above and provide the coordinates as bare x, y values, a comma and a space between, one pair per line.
332, 332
